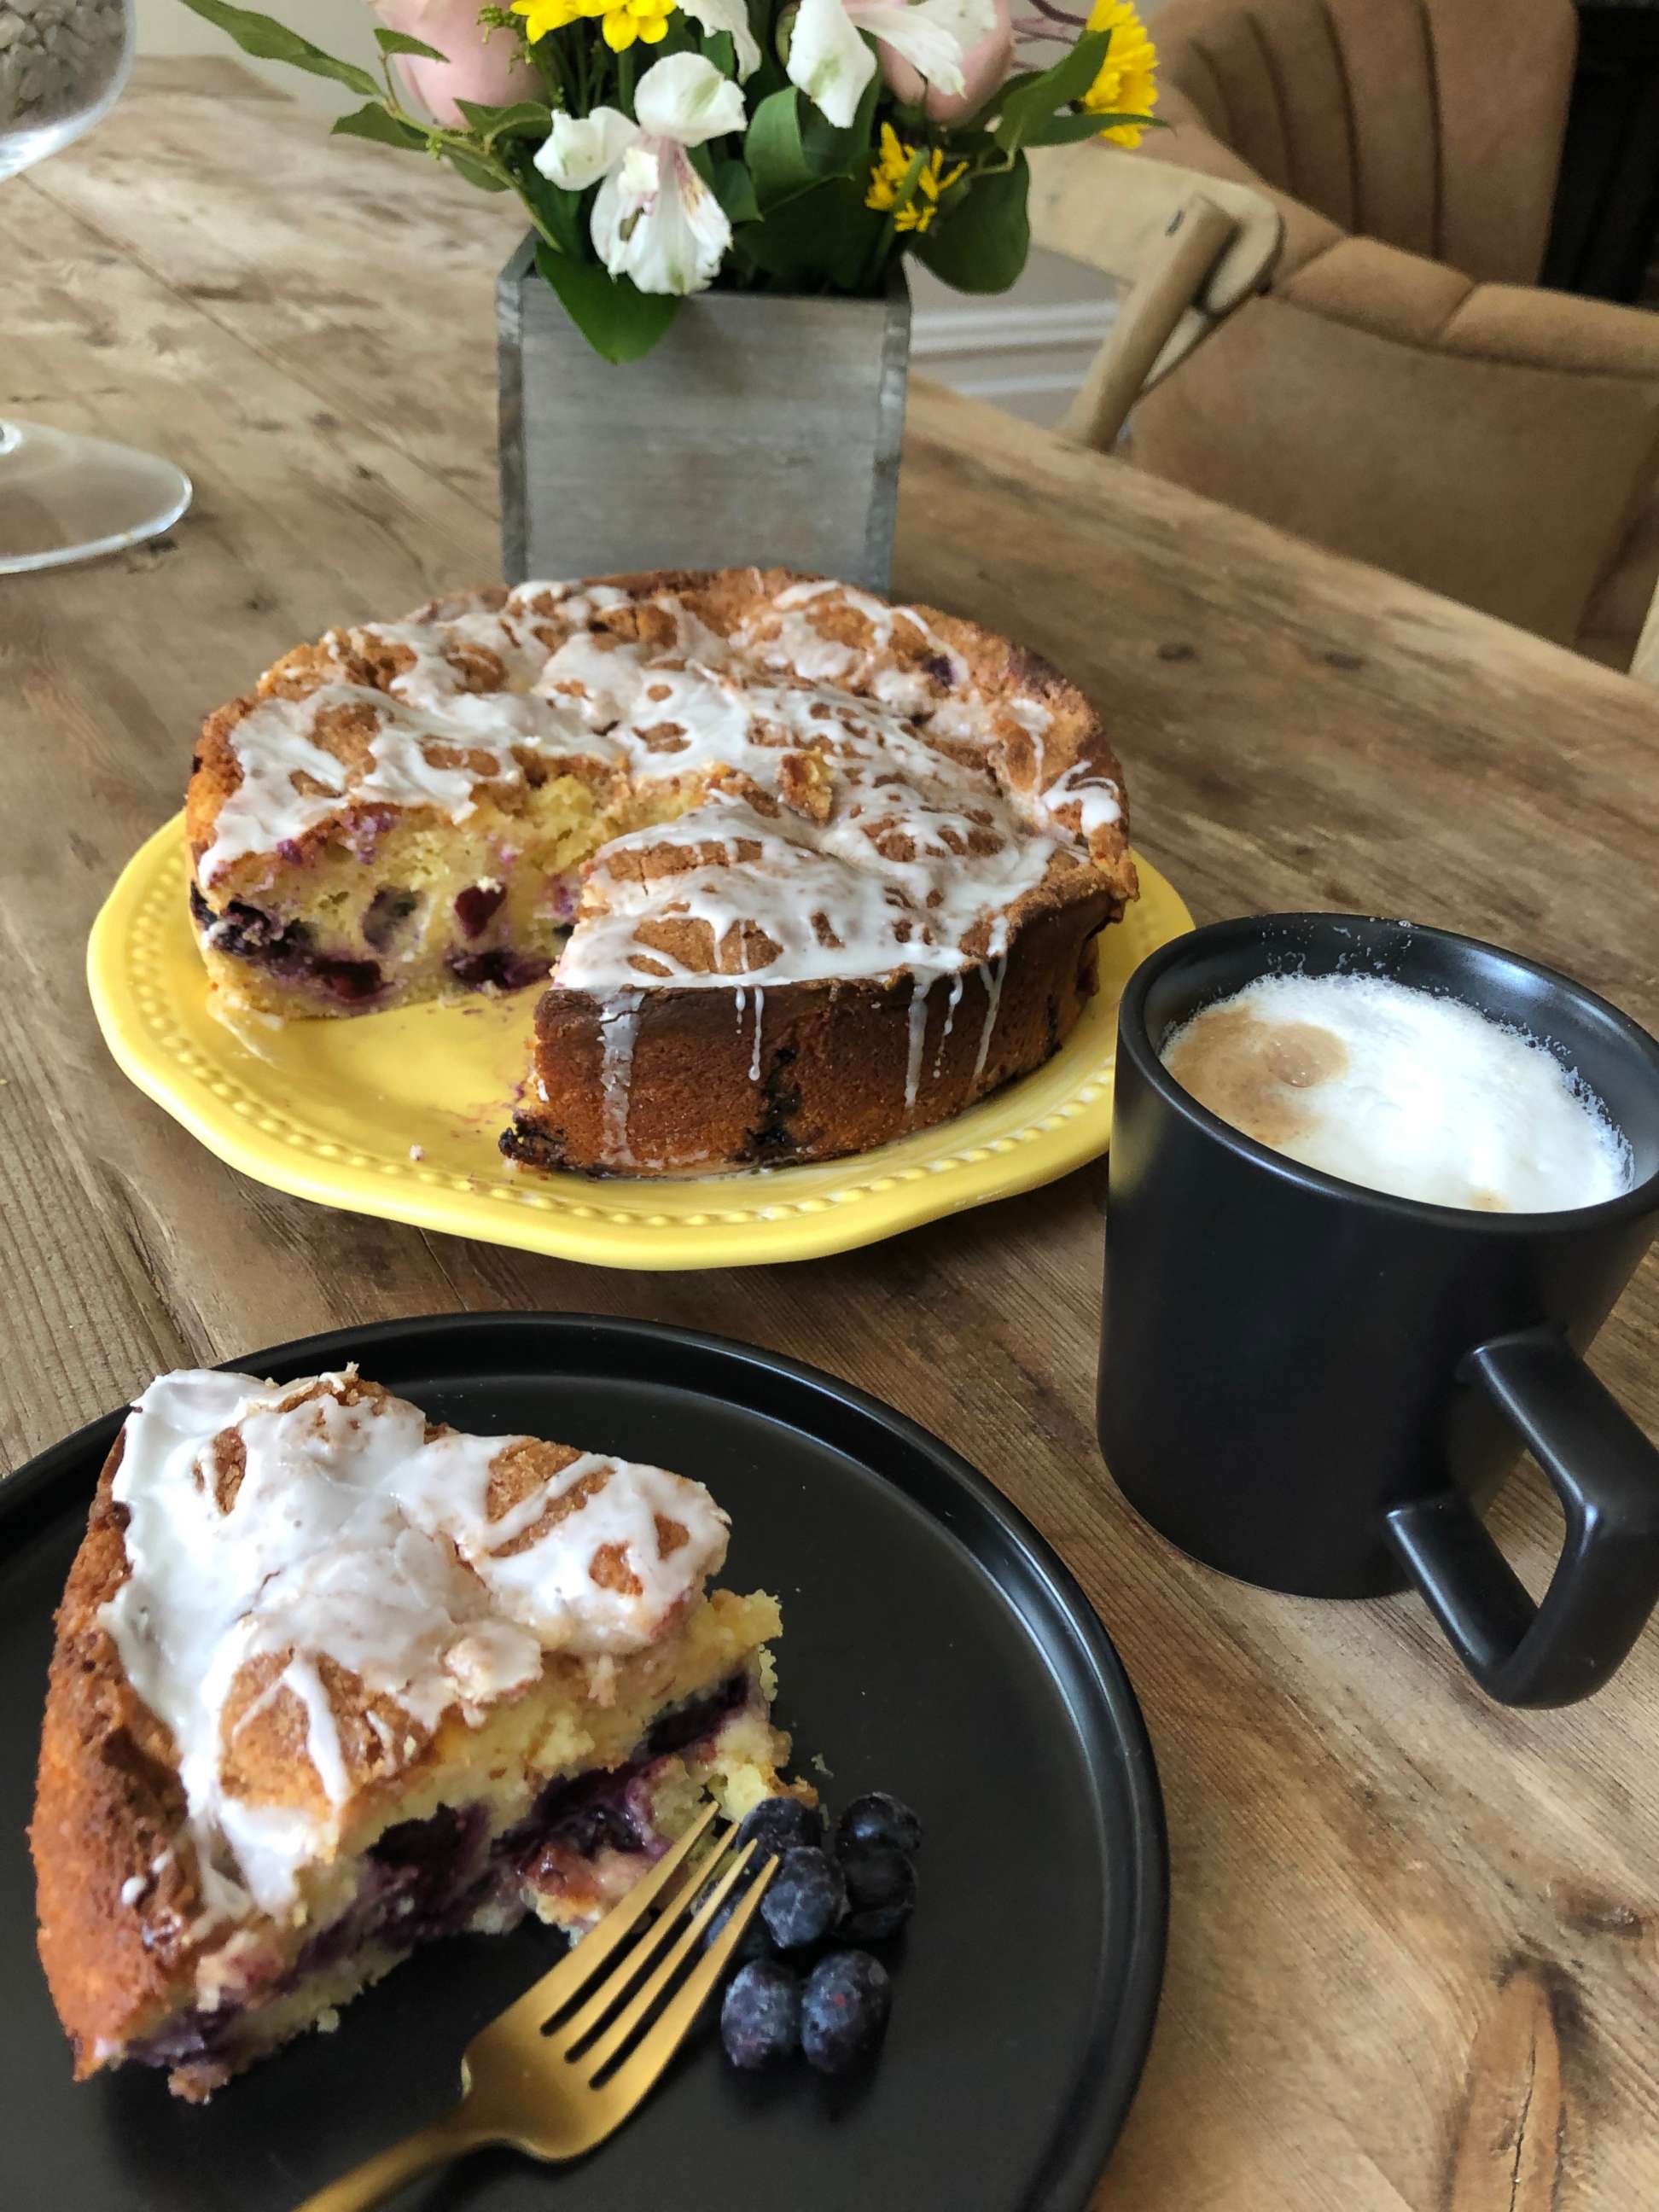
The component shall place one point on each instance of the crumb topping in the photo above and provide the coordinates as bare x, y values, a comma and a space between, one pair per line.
845, 797
315, 1564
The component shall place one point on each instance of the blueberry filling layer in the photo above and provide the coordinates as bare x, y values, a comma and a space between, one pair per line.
248, 933
499, 966
288, 949
427, 1879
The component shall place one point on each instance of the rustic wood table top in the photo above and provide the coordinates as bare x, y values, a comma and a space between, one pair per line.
1415, 1937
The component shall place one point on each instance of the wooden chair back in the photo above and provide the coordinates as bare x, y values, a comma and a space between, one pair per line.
1186, 248
1645, 665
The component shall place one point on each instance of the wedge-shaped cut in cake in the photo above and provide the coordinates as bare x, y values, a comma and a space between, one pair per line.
331, 1681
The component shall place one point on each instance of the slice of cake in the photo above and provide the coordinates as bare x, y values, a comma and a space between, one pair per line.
332, 1680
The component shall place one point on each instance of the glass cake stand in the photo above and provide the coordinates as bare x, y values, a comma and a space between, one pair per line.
64, 496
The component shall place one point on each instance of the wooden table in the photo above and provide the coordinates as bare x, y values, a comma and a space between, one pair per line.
1413, 1947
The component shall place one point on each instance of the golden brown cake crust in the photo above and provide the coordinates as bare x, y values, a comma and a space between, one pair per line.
107, 1800
834, 1060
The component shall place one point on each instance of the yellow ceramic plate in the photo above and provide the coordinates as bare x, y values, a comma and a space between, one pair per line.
397, 1114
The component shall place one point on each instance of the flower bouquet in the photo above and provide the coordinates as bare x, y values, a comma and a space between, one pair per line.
662, 146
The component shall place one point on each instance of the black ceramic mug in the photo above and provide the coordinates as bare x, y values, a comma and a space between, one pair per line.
1315, 1386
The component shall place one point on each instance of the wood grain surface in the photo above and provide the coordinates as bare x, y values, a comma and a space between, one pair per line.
1414, 1937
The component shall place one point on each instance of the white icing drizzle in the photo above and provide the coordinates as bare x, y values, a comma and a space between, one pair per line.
996, 973
1096, 797
760, 1015
917, 1040
411, 762
952, 1001
352, 1539
619, 1029
832, 898
322, 1730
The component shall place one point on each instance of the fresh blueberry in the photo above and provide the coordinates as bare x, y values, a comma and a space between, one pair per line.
805, 1900
781, 1824
760, 2019
881, 1890
843, 2012
753, 1943
876, 1818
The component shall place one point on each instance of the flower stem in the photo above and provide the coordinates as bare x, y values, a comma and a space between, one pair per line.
483, 157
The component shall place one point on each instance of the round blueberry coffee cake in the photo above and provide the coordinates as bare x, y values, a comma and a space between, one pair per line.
797, 870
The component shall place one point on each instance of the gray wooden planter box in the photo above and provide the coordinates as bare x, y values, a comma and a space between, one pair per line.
764, 428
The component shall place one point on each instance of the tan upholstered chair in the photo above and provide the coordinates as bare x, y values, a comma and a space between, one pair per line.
1400, 392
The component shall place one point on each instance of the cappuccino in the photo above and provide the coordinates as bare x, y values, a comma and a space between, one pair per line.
1402, 1091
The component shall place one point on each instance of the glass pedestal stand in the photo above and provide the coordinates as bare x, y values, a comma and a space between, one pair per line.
67, 497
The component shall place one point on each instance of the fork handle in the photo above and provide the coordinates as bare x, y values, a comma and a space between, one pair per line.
379, 2177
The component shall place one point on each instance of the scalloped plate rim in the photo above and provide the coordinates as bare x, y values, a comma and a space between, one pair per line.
817, 1223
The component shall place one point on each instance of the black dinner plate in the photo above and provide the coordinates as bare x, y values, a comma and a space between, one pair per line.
933, 1645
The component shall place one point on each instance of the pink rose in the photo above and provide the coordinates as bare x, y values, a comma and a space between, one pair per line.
986, 67
491, 71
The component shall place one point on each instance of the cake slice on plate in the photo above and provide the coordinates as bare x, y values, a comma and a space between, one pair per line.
332, 1680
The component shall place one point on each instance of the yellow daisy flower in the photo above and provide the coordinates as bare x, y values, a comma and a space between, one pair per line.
1126, 85
887, 178
646, 20
541, 16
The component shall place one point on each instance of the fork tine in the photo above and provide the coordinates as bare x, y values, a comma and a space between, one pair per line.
566, 1981
663, 2039
664, 1950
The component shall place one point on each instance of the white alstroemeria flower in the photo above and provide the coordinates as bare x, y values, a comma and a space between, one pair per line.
832, 65
732, 17
654, 219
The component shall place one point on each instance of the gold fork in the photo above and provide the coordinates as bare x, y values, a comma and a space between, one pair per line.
532, 2078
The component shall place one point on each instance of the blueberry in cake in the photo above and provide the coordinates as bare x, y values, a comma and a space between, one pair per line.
331, 1681
815, 870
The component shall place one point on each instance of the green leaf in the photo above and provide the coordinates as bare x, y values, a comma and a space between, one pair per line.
524, 118
720, 48
554, 208
734, 188
1067, 130
832, 153
617, 319
1027, 103
374, 122
824, 236
1016, 83
468, 166
399, 42
774, 152
268, 41
980, 244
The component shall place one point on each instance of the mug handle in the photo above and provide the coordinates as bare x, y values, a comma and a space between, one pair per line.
1606, 1582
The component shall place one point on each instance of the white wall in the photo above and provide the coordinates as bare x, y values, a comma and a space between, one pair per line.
342, 27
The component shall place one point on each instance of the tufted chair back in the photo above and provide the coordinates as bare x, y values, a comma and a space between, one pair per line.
1433, 126
1402, 391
